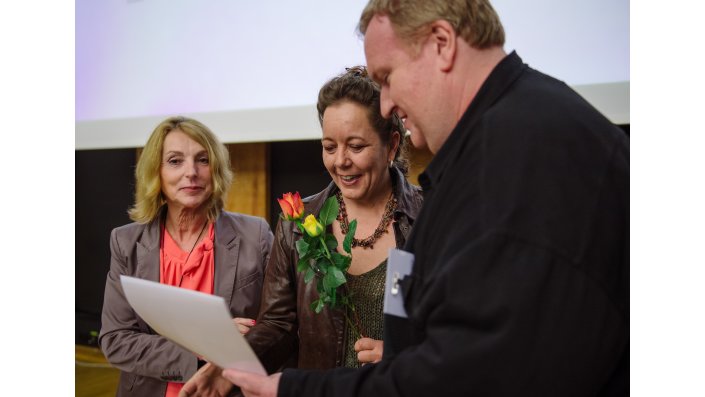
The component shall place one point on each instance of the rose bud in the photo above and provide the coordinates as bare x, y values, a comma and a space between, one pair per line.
312, 226
292, 206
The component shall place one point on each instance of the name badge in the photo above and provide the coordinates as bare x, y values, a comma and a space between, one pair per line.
399, 265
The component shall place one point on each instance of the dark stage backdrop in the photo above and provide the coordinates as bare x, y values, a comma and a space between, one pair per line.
104, 191
295, 166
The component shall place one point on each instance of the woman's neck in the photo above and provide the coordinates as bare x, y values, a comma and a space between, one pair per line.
373, 205
184, 224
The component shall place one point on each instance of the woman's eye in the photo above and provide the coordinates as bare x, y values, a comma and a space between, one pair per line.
356, 148
174, 161
329, 149
203, 160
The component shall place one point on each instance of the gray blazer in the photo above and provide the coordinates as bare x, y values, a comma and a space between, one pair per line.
146, 360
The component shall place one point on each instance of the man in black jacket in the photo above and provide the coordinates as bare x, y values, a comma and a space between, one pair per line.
520, 282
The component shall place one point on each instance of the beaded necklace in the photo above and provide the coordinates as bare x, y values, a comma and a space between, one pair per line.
381, 228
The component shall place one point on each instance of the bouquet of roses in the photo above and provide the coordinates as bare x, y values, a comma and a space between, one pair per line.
318, 256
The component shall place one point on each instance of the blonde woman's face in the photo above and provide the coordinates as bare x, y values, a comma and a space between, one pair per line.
185, 172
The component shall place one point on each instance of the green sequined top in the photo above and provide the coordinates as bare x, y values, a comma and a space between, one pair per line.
368, 296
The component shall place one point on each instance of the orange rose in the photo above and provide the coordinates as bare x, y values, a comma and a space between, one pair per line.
292, 206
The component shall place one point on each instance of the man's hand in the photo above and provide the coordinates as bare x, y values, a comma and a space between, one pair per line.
253, 385
207, 382
369, 350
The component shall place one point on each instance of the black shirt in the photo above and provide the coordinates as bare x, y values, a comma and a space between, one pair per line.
521, 275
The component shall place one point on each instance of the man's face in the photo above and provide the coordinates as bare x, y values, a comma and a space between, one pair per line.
406, 80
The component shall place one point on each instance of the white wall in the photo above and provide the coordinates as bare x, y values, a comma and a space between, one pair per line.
252, 70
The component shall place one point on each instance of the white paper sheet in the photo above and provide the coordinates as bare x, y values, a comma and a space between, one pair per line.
199, 322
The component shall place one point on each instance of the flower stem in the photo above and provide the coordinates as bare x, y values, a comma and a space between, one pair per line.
357, 332
323, 243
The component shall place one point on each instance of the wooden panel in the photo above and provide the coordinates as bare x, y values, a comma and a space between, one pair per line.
418, 160
249, 193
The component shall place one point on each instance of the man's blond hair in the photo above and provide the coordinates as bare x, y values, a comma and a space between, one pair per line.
473, 20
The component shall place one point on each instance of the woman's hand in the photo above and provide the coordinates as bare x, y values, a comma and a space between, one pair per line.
208, 382
369, 350
244, 324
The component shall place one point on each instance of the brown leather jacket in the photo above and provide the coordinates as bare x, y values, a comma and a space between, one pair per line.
285, 308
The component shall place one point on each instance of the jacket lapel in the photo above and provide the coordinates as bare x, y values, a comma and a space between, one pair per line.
148, 252
227, 249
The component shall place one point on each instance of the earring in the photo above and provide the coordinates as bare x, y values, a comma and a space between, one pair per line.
391, 163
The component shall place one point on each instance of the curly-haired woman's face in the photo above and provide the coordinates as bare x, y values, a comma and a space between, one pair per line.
353, 153
185, 172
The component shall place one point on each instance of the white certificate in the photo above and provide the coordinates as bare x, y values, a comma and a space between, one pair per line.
198, 322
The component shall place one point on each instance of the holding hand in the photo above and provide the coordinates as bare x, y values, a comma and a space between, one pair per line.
254, 385
244, 324
207, 382
369, 350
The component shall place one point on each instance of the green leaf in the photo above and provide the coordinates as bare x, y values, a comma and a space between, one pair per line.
322, 265
340, 261
310, 254
338, 275
301, 227
329, 282
310, 274
302, 247
329, 211
302, 265
333, 279
319, 306
331, 242
347, 242
314, 243
333, 298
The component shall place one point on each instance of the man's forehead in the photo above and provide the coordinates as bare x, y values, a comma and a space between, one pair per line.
379, 30
379, 41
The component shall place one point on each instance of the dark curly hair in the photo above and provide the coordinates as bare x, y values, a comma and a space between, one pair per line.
356, 86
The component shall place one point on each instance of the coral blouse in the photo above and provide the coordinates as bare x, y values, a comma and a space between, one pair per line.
197, 274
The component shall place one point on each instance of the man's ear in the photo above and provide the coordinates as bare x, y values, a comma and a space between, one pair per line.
443, 38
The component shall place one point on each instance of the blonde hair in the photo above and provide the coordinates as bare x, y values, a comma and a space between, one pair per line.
148, 193
473, 20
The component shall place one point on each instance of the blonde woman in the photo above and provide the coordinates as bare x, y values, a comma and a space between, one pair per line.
181, 237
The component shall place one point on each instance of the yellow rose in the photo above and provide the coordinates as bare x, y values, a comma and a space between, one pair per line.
312, 226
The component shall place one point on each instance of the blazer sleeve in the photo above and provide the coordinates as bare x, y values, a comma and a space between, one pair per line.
126, 341
273, 338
